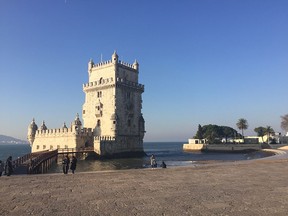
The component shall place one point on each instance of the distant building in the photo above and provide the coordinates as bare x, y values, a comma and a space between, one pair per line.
112, 119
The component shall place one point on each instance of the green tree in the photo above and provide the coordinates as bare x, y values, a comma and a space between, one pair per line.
260, 132
284, 122
199, 134
214, 133
269, 131
228, 132
242, 125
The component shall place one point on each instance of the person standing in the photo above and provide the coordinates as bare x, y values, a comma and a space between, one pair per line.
9, 166
73, 164
1, 167
153, 161
65, 163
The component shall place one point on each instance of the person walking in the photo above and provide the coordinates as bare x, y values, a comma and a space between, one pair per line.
65, 163
9, 166
73, 164
1, 167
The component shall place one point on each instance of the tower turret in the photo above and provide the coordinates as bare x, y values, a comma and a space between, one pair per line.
43, 126
77, 124
90, 65
64, 126
136, 65
32, 128
114, 57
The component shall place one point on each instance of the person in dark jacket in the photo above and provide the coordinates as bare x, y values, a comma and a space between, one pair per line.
65, 163
73, 164
163, 165
9, 166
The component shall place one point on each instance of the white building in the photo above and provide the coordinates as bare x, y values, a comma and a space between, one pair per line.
112, 119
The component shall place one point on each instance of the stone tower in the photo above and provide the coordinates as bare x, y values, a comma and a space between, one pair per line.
112, 107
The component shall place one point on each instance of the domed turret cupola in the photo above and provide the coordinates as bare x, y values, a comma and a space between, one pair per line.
90, 65
32, 128
136, 65
43, 126
64, 126
77, 123
114, 57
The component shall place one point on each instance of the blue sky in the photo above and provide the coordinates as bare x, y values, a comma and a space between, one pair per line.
201, 61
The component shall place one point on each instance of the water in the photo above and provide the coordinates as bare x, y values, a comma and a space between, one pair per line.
170, 152
15, 150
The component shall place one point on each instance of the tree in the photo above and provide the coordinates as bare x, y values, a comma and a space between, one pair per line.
199, 134
269, 131
228, 132
284, 122
214, 133
242, 125
260, 132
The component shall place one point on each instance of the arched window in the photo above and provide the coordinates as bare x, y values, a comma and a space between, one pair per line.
98, 123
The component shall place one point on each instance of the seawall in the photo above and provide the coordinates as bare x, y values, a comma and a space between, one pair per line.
222, 147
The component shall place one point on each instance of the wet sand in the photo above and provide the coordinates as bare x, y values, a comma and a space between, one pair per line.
258, 187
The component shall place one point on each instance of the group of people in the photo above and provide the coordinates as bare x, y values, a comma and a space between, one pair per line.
66, 163
7, 168
154, 162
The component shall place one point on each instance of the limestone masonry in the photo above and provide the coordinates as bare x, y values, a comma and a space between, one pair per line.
112, 118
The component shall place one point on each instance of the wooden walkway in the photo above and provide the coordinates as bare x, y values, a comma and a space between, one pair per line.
40, 162
34, 163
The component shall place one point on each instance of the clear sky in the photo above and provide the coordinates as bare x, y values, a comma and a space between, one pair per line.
201, 61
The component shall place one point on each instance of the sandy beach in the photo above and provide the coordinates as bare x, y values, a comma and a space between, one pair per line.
257, 187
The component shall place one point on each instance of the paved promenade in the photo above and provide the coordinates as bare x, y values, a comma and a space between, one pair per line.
258, 187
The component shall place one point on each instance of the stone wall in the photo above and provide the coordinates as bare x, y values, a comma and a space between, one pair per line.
221, 147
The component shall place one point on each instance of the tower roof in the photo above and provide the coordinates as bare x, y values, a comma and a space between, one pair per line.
77, 120
33, 125
115, 56
43, 126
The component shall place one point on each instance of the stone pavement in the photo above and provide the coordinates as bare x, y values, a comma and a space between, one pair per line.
258, 187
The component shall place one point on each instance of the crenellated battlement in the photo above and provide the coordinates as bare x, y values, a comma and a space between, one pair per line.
110, 62
101, 64
71, 131
128, 83
104, 138
109, 81
98, 83
131, 66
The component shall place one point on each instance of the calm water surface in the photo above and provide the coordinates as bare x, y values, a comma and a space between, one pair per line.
170, 152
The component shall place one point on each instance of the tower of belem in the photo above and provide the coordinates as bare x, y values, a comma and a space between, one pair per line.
112, 119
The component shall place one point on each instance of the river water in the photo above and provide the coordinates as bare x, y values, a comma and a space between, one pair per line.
170, 152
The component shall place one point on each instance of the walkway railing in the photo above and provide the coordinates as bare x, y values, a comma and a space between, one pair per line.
21, 160
75, 150
40, 163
